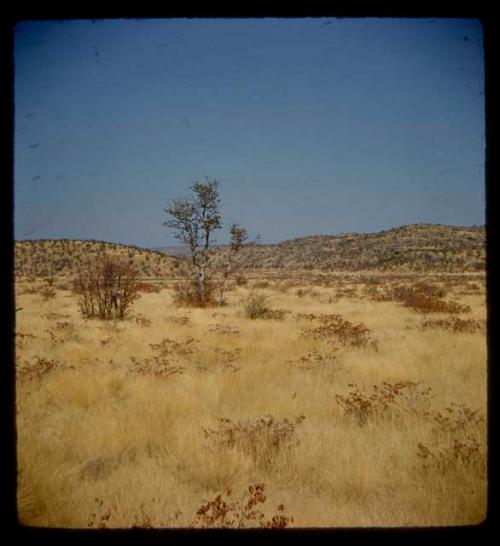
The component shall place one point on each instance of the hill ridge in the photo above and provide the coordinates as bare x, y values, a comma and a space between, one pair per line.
49, 257
409, 248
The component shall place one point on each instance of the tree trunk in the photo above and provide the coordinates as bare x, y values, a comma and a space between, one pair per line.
221, 292
222, 286
201, 283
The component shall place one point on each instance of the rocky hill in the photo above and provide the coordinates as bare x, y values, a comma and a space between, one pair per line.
41, 258
412, 248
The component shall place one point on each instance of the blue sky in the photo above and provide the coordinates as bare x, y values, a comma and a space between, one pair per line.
311, 126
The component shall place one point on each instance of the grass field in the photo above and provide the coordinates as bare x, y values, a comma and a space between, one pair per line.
353, 406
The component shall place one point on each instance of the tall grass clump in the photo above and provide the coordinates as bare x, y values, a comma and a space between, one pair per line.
256, 306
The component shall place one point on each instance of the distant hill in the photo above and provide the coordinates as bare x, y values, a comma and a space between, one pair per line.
411, 248
177, 251
64, 256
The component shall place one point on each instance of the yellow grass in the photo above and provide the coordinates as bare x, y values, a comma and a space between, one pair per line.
94, 428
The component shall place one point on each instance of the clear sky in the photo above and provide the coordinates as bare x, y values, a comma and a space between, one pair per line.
311, 126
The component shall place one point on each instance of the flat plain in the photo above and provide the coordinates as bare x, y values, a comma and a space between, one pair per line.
354, 398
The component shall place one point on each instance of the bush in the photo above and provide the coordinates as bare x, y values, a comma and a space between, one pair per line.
187, 294
256, 305
425, 298
454, 324
48, 291
367, 405
240, 280
238, 514
336, 328
148, 288
459, 435
262, 439
106, 289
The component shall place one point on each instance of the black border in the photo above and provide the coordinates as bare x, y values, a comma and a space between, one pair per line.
8, 513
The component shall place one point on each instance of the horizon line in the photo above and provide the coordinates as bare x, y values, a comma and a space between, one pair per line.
456, 226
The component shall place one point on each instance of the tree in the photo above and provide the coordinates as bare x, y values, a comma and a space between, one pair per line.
193, 220
238, 237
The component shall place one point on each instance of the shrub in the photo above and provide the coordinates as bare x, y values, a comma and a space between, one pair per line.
106, 289
36, 368
316, 359
454, 324
168, 347
186, 293
301, 292
458, 418
459, 434
223, 329
224, 513
454, 454
262, 439
156, 366
335, 327
21, 338
240, 280
48, 292
367, 405
256, 307
425, 298
148, 287
142, 320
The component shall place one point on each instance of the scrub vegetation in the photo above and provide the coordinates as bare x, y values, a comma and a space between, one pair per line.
309, 399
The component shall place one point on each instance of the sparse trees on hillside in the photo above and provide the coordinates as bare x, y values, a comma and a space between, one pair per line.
194, 220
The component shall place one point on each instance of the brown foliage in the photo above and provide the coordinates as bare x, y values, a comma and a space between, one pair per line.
367, 405
317, 359
456, 443
183, 321
454, 324
155, 366
187, 293
224, 513
36, 368
224, 329
141, 320
458, 417
148, 287
227, 358
47, 292
465, 452
181, 348
261, 439
336, 328
106, 289
425, 298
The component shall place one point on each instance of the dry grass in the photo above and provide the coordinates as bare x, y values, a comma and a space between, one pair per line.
167, 418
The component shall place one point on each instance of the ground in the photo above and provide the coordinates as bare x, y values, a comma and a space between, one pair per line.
350, 403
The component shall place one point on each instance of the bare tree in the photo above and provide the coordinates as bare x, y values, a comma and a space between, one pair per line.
239, 236
106, 288
193, 220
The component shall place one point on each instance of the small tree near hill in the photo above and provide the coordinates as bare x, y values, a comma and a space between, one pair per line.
239, 236
194, 220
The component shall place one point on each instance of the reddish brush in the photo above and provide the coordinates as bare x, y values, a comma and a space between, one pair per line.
239, 514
